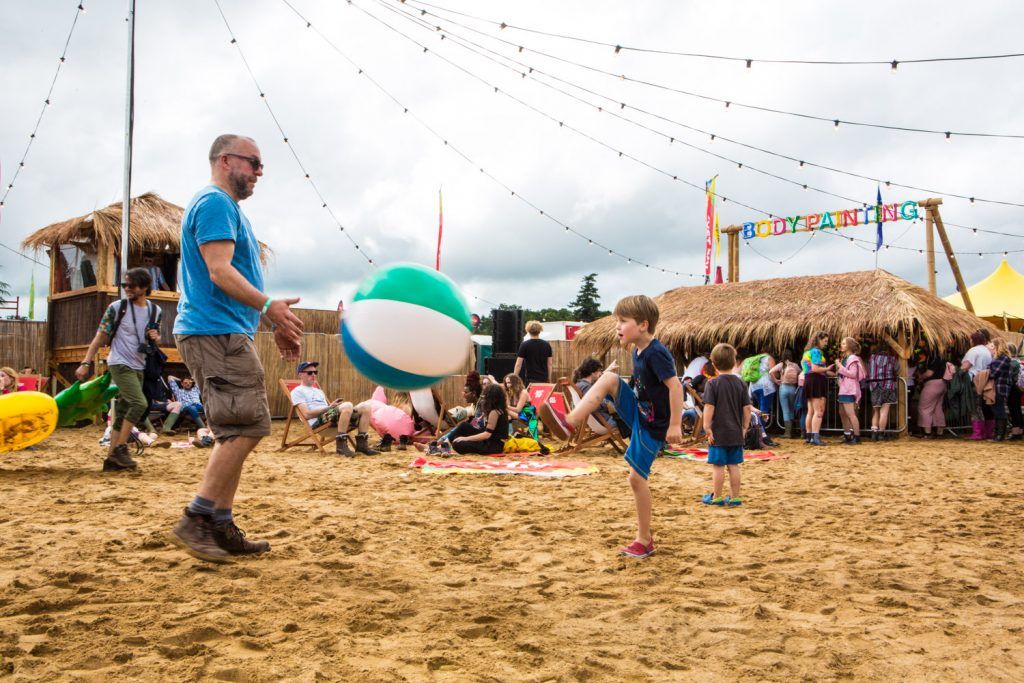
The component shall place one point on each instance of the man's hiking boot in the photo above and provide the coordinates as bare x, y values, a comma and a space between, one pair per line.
363, 445
232, 539
195, 533
119, 460
342, 446
403, 442
385, 443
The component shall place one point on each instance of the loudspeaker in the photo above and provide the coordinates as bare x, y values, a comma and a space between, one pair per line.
508, 330
500, 365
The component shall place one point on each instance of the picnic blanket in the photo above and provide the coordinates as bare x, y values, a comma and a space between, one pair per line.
533, 468
701, 454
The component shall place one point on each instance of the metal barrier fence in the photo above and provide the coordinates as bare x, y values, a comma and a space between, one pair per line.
831, 421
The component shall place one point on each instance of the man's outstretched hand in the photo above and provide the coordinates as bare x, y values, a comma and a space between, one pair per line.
287, 327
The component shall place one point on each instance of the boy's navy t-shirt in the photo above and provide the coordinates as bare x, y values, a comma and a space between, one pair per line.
651, 367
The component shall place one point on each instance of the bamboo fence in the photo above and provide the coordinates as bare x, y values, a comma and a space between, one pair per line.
23, 342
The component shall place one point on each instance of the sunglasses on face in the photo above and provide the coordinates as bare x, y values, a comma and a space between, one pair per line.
255, 162
127, 285
310, 372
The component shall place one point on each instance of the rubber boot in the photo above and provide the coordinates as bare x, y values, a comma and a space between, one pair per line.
342, 446
363, 445
788, 434
977, 430
169, 422
990, 429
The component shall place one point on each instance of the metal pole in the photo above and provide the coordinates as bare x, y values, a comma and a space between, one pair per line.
129, 114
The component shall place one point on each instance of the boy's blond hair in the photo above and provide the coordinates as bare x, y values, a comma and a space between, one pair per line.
852, 345
723, 357
534, 327
639, 307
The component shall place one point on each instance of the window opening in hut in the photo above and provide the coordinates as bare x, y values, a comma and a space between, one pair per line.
76, 267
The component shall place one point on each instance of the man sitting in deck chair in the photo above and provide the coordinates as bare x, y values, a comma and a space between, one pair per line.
337, 413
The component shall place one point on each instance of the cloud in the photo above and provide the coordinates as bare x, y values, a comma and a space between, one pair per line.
380, 171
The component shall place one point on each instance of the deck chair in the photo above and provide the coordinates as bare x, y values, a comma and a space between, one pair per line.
596, 431
551, 409
696, 436
428, 405
309, 436
32, 383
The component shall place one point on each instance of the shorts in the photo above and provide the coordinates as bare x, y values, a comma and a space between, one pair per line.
847, 398
643, 446
331, 415
815, 386
725, 455
230, 378
881, 396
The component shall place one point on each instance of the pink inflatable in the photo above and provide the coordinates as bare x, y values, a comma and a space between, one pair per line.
387, 419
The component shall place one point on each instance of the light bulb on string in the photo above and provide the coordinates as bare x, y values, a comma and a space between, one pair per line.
894, 65
948, 134
835, 126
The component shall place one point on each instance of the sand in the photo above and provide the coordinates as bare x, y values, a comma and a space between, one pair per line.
891, 561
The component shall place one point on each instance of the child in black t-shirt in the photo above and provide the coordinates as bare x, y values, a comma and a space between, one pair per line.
726, 418
652, 406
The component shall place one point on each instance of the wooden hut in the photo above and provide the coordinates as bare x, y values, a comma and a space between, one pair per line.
770, 315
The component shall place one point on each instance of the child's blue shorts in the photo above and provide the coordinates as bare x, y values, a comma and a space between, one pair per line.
846, 398
725, 455
643, 448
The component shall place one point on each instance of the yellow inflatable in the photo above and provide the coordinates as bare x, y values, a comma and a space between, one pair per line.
26, 418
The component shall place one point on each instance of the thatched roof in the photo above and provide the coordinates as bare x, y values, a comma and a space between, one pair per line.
155, 225
765, 315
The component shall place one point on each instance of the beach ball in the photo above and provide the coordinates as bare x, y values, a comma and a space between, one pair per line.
407, 327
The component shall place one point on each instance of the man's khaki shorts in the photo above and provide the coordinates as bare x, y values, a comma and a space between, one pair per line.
230, 378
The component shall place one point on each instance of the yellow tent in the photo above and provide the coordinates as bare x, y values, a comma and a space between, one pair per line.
999, 298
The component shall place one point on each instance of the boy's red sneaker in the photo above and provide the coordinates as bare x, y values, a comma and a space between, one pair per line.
638, 550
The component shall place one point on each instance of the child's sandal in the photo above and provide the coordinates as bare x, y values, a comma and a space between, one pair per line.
733, 502
709, 499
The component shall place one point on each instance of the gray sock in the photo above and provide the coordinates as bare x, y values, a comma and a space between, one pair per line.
221, 515
201, 506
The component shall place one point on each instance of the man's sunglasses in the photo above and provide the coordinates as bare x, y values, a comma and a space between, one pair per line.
310, 372
255, 162
127, 285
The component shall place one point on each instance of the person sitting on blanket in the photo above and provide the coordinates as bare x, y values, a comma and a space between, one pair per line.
584, 377
340, 414
484, 435
190, 404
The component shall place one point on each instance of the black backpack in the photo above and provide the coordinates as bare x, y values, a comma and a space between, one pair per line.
154, 315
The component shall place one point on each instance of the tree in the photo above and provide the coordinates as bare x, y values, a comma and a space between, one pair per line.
587, 304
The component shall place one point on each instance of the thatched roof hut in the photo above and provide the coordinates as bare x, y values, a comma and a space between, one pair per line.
764, 315
155, 225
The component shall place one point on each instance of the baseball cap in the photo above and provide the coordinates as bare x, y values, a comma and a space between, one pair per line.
307, 364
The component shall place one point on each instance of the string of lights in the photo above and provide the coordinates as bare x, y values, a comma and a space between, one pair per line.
79, 10
447, 143
490, 86
835, 121
618, 47
780, 262
458, 151
287, 141
532, 72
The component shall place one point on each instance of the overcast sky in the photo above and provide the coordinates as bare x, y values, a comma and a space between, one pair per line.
380, 171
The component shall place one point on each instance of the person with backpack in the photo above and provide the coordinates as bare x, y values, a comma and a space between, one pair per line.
757, 372
131, 327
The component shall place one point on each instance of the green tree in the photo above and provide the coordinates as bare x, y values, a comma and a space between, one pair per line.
587, 304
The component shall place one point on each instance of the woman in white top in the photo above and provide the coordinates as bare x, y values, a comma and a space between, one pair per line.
978, 358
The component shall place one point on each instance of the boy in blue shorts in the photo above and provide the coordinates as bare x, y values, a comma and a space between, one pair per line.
726, 418
652, 407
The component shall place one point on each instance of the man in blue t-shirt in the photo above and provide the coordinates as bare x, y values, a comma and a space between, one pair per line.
652, 406
221, 302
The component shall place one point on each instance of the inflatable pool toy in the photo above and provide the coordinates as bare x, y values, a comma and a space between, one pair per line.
26, 418
407, 327
82, 401
388, 419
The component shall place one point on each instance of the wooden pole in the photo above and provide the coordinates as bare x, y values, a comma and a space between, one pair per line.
929, 249
733, 231
932, 206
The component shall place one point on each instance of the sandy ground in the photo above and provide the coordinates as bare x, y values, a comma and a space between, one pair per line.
892, 561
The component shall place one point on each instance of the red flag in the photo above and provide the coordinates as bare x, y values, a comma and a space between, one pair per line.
440, 229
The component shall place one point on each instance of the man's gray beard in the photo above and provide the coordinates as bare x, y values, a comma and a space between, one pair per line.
240, 184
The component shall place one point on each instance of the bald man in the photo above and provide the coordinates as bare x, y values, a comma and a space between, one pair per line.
221, 303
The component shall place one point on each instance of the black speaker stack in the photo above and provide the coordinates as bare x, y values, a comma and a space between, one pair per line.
505, 339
